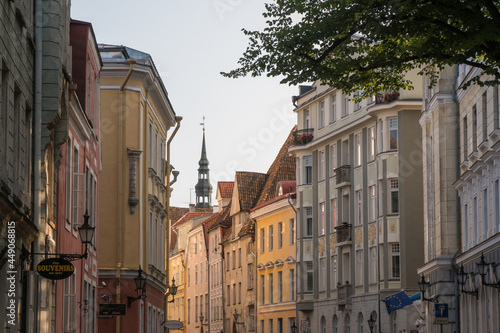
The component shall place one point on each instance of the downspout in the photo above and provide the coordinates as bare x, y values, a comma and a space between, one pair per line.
119, 242
296, 273
37, 138
457, 157
255, 277
167, 208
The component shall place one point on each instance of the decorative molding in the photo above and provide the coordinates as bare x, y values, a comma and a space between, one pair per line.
321, 247
132, 194
372, 234
333, 242
358, 237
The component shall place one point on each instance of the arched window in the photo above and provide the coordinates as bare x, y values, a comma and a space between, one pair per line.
334, 324
323, 324
394, 322
360, 323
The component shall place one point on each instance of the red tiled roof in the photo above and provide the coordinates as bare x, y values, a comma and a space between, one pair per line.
249, 187
173, 239
282, 169
188, 216
227, 234
224, 218
247, 228
225, 189
175, 213
207, 224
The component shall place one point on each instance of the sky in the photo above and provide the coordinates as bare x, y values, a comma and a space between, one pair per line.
191, 42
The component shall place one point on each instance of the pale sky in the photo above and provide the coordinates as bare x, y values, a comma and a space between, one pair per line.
247, 120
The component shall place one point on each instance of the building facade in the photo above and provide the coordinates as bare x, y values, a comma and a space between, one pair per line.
77, 185
275, 250
359, 207
136, 115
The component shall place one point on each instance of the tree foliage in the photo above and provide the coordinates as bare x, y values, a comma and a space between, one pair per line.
370, 45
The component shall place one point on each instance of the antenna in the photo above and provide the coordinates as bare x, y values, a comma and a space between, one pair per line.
203, 124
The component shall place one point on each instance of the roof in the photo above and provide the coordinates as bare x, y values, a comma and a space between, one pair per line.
282, 169
247, 228
188, 216
227, 234
207, 224
225, 189
173, 239
224, 218
175, 213
249, 187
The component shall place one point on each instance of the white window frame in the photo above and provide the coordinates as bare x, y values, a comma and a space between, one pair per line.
357, 153
395, 256
321, 219
359, 267
280, 235
321, 114
371, 144
333, 159
333, 108
335, 214
393, 129
321, 165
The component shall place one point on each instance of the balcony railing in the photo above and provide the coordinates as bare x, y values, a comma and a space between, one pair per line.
343, 232
302, 137
343, 174
388, 97
344, 294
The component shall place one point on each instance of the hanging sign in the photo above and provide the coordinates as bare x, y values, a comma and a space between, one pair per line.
55, 269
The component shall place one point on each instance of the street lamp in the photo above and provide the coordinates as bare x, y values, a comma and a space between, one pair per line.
371, 322
236, 316
462, 280
483, 268
294, 327
171, 290
423, 285
140, 284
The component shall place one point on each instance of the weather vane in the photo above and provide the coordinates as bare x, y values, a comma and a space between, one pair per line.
203, 124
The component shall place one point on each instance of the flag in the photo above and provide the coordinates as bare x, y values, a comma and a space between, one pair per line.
397, 301
416, 299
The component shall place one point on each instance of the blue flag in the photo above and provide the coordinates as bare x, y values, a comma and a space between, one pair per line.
397, 301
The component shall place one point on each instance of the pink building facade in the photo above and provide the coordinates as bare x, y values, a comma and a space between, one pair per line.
77, 185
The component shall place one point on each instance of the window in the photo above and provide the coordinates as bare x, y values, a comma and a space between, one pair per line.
475, 221
333, 272
333, 157
262, 329
371, 143
155, 162
334, 220
465, 135
262, 237
357, 103
189, 311
394, 196
359, 267
234, 293
271, 238
345, 106
150, 318
496, 203
393, 133
309, 276
69, 307
234, 259
357, 154
371, 204
333, 108
485, 117
195, 274
201, 272
322, 274
239, 257
381, 262
228, 295
321, 114
474, 129
485, 213
239, 293
321, 226
280, 287
373, 264
360, 322
270, 326
395, 261
249, 276
280, 235
291, 231
227, 260
381, 135
280, 325
262, 290
308, 170
309, 222
77, 189
306, 119
321, 165
271, 288
359, 207
323, 325
68, 182
291, 284
189, 277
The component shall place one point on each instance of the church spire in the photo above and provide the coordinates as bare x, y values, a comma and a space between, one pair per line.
203, 187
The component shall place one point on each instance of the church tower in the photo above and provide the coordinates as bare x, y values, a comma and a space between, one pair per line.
203, 187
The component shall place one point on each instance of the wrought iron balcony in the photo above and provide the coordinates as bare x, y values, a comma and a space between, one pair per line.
302, 137
388, 97
344, 293
343, 174
343, 232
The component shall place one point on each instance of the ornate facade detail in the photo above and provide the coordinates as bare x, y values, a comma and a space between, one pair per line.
333, 242
358, 237
321, 247
372, 234
132, 194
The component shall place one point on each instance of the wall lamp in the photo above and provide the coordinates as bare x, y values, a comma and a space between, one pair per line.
423, 285
236, 315
483, 268
371, 322
140, 284
294, 327
171, 290
462, 280
86, 234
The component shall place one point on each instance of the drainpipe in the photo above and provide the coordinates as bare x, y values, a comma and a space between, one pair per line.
119, 242
37, 139
255, 277
457, 157
167, 241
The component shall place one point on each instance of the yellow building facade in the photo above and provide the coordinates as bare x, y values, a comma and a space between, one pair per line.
276, 273
136, 115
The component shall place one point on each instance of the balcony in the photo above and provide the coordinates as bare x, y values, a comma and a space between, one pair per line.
344, 294
302, 137
343, 232
388, 97
343, 176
